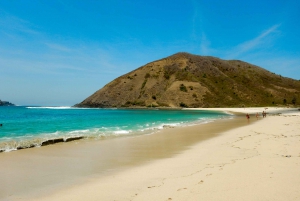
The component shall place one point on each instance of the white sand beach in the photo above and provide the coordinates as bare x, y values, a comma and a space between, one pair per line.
258, 161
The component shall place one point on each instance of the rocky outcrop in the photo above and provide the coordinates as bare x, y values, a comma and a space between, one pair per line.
186, 80
5, 103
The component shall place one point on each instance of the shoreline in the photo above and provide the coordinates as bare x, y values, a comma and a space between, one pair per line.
191, 170
78, 160
50, 138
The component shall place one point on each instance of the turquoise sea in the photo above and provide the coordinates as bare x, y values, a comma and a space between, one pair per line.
24, 126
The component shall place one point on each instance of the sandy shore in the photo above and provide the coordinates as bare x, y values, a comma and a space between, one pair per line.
256, 161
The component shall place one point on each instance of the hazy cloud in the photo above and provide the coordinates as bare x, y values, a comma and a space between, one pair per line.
58, 47
14, 24
253, 43
205, 46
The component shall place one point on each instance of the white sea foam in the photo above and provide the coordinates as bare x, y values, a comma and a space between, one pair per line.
5, 138
58, 107
122, 132
80, 131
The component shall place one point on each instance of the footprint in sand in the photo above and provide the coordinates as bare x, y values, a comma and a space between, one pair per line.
200, 182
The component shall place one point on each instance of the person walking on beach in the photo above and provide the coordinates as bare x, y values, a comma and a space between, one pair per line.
257, 115
264, 114
248, 117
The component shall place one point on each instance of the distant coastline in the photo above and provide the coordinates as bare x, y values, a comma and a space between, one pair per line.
6, 103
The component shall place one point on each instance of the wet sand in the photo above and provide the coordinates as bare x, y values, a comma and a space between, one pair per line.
41, 171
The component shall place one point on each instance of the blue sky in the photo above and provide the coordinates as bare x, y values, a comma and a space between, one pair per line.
59, 52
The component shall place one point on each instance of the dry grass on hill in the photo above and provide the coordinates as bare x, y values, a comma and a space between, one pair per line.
186, 80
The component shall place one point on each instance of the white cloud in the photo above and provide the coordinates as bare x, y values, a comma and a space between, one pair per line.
252, 44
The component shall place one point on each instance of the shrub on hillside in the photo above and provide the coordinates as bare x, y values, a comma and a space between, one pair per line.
183, 88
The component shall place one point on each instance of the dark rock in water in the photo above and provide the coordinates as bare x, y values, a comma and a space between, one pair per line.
74, 138
47, 142
25, 147
52, 141
5, 103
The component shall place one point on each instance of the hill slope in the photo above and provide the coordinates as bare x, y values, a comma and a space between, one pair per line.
186, 80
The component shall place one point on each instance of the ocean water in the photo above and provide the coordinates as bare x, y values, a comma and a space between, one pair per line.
24, 127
